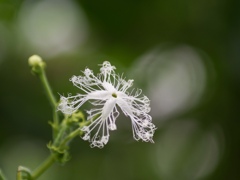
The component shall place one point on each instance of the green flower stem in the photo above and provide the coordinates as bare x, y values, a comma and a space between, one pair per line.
59, 141
74, 134
51, 159
46, 85
43, 167
38, 68
61, 132
52, 100
70, 137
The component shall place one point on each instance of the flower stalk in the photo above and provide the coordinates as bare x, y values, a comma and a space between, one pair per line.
62, 133
43, 167
38, 68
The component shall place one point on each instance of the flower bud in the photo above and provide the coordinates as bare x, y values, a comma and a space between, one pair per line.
35, 60
36, 63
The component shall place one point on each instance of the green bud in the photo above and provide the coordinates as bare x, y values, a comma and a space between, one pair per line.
76, 117
35, 60
36, 63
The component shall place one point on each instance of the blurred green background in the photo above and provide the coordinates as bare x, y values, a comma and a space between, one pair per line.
183, 54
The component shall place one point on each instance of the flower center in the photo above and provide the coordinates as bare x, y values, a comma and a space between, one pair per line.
114, 95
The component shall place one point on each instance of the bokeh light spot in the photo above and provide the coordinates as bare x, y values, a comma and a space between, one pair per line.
52, 27
175, 79
186, 151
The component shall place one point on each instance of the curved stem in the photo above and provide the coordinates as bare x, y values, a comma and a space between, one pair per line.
61, 132
46, 85
52, 100
70, 137
23, 173
43, 167
73, 134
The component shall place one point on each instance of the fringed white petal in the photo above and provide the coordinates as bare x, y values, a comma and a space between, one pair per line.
105, 91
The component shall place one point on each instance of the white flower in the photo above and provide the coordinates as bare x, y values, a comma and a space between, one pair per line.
108, 93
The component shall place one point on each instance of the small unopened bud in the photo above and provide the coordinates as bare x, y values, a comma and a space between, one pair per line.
36, 63
35, 60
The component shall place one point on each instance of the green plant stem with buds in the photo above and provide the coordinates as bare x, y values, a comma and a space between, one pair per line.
63, 133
